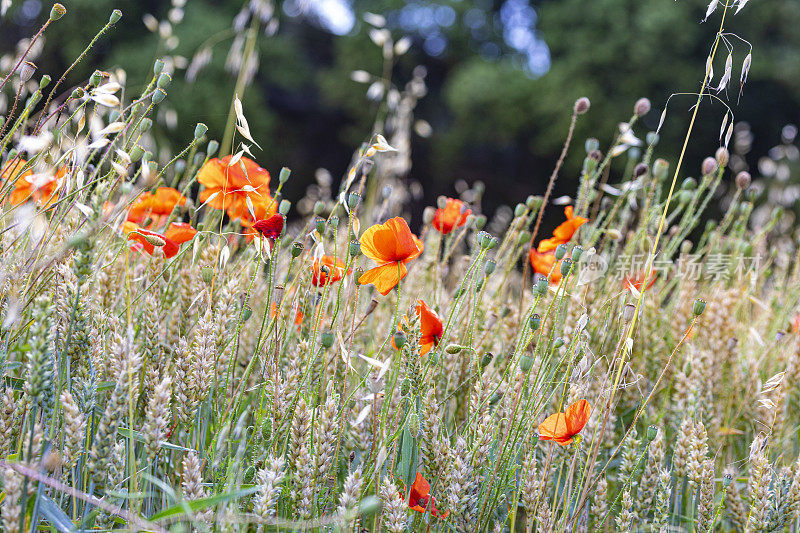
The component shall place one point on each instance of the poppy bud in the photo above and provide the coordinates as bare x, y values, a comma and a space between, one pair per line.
684, 197
561, 251
576, 253
137, 152
319, 208
524, 238
489, 267
582, 105
283, 177
652, 433
78, 93
525, 364
652, 138
158, 96
486, 359
354, 249
698, 307
326, 339
200, 130
709, 165
743, 179
207, 274
115, 16
95, 78
319, 225
722, 156
284, 207
158, 66
399, 339
589, 165
727, 479
627, 313
689, 184
353, 200
641, 107
519, 210
247, 312
480, 221
57, 11
163, 80
413, 424
614, 234
640, 170
212, 148
534, 322
155, 240
541, 286
453, 348
145, 124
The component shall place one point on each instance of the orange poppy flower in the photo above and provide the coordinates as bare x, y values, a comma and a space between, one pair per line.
156, 206
228, 187
637, 280
177, 233
562, 427
543, 257
454, 215
41, 188
796, 324
391, 245
430, 325
420, 500
326, 270
298, 314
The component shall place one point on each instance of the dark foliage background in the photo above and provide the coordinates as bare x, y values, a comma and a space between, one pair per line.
502, 78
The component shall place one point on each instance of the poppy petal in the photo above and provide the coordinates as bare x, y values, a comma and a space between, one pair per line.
577, 415
384, 277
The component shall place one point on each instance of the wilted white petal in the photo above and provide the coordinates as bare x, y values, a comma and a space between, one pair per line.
34, 144
374, 19
150, 22
360, 76
379, 37
120, 169
402, 46
722, 128
375, 91
745, 68
618, 150
123, 155
709, 69
108, 100
242, 125
85, 209
108, 88
661, 121
728, 135
741, 6
381, 145
114, 127
711, 7
99, 143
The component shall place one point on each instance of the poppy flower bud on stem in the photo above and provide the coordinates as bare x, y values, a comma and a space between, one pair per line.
199, 131
155, 240
489, 267
145, 124
652, 433
213, 146
247, 312
319, 208
486, 359
722, 156
582, 105
519, 210
641, 107
400, 339
453, 349
326, 339
743, 179
709, 165
698, 307
480, 221
57, 11
525, 364
207, 274
115, 16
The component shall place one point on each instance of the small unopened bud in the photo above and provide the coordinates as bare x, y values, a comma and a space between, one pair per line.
531, 202
486, 359
722, 156
561, 251
525, 364
95, 78
400, 339
283, 177
57, 11
115, 16
698, 307
405, 387
155, 240
354, 249
413, 424
326, 339
641, 107
27, 71
640, 170
480, 221
200, 130
212, 148
582, 105
652, 433
709, 165
45, 81
660, 169
489, 267
454, 348
247, 312
297, 248
689, 184
591, 145
743, 179
534, 322
441, 202
519, 210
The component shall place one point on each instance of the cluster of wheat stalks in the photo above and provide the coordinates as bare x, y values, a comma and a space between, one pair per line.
244, 376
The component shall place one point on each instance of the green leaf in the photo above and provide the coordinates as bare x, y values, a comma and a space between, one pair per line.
54, 515
137, 436
408, 458
203, 503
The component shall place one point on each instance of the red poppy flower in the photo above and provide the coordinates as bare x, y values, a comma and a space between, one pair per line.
391, 245
228, 186
156, 206
562, 427
41, 188
430, 325
177, 233
543, 257
326, 270
420, 500
270, 227
453, 215
637, 280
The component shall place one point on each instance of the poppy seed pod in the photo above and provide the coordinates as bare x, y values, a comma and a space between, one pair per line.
57, 11
212, 148
284, 174
652, 433
530, 201
319, 225
627, 313
284, 207
640, 170
698, 307
591, 145
722, 156
136, 153
489, 267
519, 210
709, 165
484, 239
541, 286
524, 237
582, 105
158, 66
95, 78
566, 266
525, 364
727, 479
576, 254
78, 93
297, 248
534, 322
326, 339
354, 249
115, 16
163, 80
399, 339
334, 222
689, 184
27, 71
561, 251
200, 130
158, 96
493, 242
353, 200
641, 107
207, 273
743, 179
480, 221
